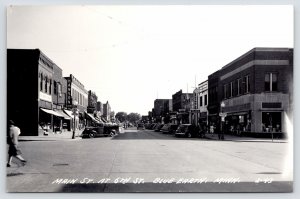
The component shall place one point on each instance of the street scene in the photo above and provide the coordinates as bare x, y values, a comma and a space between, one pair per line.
149, 161
117, 99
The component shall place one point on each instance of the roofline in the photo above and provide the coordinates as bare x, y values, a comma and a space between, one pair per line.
257, 49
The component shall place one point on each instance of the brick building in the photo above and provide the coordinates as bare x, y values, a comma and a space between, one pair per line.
106, 111
34, 91
76, 92
161, 108
182, 104
256, 90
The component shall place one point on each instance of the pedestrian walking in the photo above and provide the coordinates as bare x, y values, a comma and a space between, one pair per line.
12, 141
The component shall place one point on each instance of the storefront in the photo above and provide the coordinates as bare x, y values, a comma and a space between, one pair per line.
271, 121
238, 122
50, 120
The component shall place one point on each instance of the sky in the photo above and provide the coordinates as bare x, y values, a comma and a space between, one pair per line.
132, 55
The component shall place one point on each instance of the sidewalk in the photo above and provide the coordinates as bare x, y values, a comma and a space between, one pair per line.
65, 135
244, 138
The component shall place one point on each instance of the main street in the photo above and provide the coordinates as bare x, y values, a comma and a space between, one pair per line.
148, 161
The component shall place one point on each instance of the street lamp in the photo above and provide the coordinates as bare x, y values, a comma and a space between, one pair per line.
75, 103
221, 135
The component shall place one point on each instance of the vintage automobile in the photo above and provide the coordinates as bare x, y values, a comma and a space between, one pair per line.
158, 127
186, 130
169, 128
100, 130
140, 126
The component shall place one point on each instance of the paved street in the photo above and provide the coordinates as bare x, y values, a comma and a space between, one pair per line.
148, 161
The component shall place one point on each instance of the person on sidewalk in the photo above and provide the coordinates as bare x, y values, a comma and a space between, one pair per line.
12, 141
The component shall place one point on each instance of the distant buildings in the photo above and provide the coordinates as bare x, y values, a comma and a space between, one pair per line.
106, 111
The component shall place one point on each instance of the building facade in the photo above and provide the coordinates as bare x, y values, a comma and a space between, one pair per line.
199, 112
33, 91
92, 102
106, 111
76, 93
256, 91
162, 107
182, 105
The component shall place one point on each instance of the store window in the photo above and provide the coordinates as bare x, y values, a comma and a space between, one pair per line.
271, 121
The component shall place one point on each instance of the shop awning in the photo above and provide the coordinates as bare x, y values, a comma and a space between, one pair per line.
69, 113
52, 112
91, 117
99, 120
104, 120
67, 117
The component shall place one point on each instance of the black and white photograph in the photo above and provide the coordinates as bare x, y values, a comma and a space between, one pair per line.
150, 98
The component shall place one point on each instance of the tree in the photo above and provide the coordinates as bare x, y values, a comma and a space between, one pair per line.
121, 116
133, 117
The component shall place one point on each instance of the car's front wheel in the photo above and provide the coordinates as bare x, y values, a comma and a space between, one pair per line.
112, 134
91, 135
189, 135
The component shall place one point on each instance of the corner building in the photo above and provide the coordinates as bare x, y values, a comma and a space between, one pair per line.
256, 89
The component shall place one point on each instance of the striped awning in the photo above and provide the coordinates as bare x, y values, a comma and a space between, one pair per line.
52, 112
67, 117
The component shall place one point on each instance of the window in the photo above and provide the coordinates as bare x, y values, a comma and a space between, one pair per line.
50, 86
271, 82
46, 84
205, 100
239, 86
59, 90
41, 82
247, 83
231, 89
225, 91
200, 101
55, 87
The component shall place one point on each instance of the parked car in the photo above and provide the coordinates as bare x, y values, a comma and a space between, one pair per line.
100, 130
169, 128
154, 126
140, 126
165, 128
158, 127
186, 130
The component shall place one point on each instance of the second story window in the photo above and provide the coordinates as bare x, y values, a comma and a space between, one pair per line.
205, 100
247, 83
271, 82
50, 86
225, 91
231, 89
200, 101
55, 87
41, 82
239, 87
46, 84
